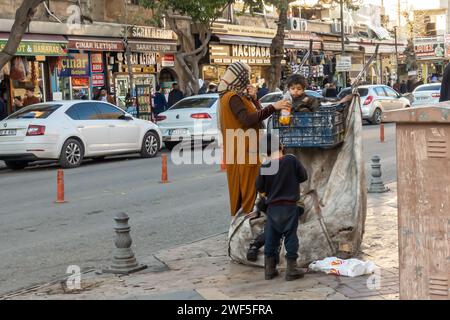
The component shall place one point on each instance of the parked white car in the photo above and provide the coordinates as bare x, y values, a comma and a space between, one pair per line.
69, 131
193, 118
375, 99
426, 94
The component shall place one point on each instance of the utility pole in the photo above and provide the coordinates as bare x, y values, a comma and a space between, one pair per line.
344, 75
396, 51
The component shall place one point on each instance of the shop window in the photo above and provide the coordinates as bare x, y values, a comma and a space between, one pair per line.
109, 112
84, 111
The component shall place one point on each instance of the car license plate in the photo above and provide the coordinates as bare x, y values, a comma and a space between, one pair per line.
8, 132
179, 132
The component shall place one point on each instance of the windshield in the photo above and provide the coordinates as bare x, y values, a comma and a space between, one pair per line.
271, 98
434, 87
37, 111
194, 103
362, 92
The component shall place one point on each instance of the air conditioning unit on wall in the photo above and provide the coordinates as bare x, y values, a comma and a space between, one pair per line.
294, 23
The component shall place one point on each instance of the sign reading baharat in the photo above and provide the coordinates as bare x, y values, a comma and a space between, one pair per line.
38, 48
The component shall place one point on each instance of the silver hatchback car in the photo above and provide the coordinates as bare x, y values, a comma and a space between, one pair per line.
375, 99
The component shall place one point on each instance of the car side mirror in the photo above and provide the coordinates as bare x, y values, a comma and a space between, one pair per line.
126, 117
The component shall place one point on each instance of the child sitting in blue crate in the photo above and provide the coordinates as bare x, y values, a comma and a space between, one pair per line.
296, 95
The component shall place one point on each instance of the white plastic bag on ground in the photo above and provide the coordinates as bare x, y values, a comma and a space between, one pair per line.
340, 267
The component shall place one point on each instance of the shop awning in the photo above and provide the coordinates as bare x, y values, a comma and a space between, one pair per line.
230, 39
38, 45
96, 44
381, 33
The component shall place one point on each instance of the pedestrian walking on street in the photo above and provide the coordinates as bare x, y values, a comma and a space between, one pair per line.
445, 85
175, 95
403, 88
282, 192
105, 96
3, 109
159, 101
240, 111
262, 91
30, 98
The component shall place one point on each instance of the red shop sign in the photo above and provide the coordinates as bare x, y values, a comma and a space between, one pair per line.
96, 62
98, 80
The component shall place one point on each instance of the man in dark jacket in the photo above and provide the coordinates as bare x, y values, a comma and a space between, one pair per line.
3, 111
445, 85
175, 95
160, 102
262, 91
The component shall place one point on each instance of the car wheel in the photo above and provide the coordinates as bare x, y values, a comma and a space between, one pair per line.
150, 145
16, 165
376, 117
71, 154
171, 144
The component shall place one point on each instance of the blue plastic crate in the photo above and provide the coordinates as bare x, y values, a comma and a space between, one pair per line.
321, 129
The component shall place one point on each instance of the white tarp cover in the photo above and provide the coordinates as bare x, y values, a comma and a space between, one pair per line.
337, 177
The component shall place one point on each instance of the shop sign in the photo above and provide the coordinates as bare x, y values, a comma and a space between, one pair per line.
77, 64
153, 47
246, 31
429, 47
98, 80
38, 48
96, 62
305, 36
343, 63
168, 60
144, 58
250, 51
152, 33
92, 45
226, 54
80, 82
447, 45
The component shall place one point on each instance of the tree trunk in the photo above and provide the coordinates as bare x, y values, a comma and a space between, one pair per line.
189, 56
23, 18
277, 48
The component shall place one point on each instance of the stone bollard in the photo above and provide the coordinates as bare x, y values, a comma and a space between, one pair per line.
124, 261
376, 184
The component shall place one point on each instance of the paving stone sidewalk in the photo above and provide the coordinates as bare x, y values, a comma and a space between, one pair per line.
202, 270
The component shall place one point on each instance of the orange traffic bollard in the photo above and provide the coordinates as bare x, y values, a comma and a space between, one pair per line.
223, 167
164, 169
60, 187
382, 132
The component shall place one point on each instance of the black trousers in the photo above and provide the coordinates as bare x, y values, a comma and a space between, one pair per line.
282, 221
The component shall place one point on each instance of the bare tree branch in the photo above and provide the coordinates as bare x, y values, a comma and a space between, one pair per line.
23, 18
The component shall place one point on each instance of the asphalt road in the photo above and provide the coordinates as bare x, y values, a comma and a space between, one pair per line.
40, 239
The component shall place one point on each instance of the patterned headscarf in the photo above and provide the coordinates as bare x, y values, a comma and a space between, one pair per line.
236, 78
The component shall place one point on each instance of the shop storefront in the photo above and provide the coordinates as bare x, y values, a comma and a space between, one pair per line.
152, 62
233, 43
87, 68
317, 66
430, 56
35, 60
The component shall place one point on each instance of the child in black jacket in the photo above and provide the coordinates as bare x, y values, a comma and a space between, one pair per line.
282, 191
